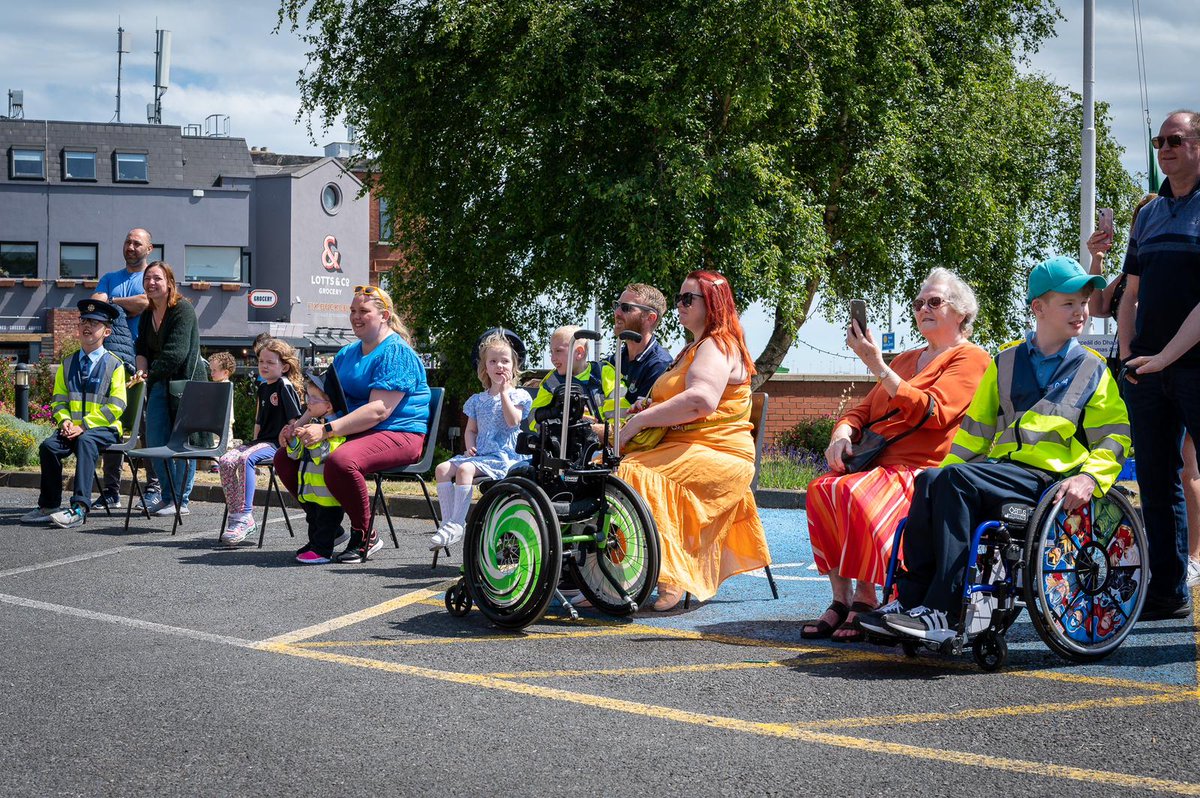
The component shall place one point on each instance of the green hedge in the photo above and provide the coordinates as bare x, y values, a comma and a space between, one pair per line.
19, 440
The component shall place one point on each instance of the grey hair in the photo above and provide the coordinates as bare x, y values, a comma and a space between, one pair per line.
1193, 118
958, 294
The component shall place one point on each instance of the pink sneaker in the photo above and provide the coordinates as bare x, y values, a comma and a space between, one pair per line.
310, 557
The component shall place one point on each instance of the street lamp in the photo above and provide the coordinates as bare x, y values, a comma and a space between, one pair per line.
21, 394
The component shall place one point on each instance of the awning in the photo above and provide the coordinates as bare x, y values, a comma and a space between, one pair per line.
234, 342
331, 338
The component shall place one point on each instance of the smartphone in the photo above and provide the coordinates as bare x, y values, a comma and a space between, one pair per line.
858, 312
1104, 221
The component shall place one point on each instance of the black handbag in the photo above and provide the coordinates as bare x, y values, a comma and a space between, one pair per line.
871, 444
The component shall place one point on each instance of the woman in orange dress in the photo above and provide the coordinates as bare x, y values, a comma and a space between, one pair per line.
696, 481
852, 516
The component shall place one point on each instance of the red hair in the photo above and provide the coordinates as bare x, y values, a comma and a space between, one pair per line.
722, 324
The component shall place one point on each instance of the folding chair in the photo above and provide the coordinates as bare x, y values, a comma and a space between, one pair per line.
205, 408
758, 418
414, 471
272, 489
131, 422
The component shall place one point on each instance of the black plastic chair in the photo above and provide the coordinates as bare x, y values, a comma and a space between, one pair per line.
204, 409
131, 422
272, 489
758, 418
415, 471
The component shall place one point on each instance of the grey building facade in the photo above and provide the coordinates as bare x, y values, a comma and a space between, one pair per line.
70, 192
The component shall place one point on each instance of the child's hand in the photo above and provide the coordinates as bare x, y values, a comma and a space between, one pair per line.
640, 405
471, 450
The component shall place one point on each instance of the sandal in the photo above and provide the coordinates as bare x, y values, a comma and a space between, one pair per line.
823, 628
854, 632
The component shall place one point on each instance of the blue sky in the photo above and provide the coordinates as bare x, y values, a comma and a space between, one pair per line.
225, 59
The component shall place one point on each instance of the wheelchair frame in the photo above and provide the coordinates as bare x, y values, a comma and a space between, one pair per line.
564, 512
1013, 564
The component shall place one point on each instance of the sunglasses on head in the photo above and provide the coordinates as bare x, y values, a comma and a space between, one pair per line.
687, 298
375, 291
1175, 141
934, 302
629, 307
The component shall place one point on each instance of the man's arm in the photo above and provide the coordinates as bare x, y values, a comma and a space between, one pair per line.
133, 305
1127, 316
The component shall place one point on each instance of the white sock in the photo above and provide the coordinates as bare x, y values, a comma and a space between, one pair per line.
462, 503
445, 491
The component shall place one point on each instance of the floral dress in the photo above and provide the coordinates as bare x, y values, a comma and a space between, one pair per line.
496, 443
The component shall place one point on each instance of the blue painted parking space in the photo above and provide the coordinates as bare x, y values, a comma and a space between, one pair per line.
1164, 652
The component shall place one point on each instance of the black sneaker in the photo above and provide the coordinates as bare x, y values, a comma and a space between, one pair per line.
360, 548
925, 623
875, 621
110, 501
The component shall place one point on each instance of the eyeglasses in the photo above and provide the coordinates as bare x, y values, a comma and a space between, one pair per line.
1175, 141
934, 302
629, 307
314, 400
687, 298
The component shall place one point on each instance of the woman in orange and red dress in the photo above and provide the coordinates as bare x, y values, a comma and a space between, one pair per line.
852, 516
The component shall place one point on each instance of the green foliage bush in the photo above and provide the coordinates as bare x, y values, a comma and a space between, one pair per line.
19, 440
245, 407
811, 434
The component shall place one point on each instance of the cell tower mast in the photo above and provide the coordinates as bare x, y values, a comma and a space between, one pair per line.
123, 42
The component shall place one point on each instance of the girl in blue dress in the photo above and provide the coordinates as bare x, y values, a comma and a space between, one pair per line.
495, 417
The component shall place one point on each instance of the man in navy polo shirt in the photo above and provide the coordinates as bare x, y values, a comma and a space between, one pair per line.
1163, 286
639, 309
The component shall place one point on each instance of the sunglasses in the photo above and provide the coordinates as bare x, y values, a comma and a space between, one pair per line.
934, 302
375, 291
687, 298
1175, 141
629, 307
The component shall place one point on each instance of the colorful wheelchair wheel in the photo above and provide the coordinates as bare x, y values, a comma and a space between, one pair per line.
512, 553
1085, 574
628, 560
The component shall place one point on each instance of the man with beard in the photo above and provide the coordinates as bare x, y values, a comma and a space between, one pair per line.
639, 308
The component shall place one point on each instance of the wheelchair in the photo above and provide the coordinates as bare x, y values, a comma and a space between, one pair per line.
1081, 574
564, 511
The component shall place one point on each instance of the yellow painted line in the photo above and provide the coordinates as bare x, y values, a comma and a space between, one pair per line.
361, 615
778, 730
1001, 712
702, 667
1196, 626
1097, 681
434, 641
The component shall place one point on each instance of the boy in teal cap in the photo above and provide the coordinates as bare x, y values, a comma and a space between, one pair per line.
1046, 410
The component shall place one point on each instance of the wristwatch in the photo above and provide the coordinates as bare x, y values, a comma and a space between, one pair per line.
328, 427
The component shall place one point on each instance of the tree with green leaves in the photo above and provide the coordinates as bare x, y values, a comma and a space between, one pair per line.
542, 154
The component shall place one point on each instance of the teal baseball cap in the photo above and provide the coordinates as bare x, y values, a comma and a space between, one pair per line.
1061, 274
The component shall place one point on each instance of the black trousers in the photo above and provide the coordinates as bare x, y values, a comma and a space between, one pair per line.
86, 448
324, 526
948, 503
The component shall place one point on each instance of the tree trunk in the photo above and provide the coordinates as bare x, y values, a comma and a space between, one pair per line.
782, 336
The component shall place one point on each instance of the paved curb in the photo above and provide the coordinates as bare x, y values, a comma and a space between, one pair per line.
399, 506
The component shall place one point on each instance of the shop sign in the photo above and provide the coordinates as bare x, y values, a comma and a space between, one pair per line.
263, 298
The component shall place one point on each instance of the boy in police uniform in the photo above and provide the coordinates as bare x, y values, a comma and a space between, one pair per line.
1046, 409
89, 398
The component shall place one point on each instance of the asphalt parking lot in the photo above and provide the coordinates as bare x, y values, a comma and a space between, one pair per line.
134, 663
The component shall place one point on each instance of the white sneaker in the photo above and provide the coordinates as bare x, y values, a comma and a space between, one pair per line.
456, 534
38, 516
922, 622
875, 621
442, 537
168, 509
1193, 572
68, 518
238, 530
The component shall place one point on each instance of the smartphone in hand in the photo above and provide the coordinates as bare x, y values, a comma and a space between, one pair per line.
858, 312
1104, 220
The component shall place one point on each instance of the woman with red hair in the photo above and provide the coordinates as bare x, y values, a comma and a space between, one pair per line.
696, 481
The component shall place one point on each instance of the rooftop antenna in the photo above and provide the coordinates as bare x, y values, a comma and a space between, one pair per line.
162, 74
123, 43
16, 104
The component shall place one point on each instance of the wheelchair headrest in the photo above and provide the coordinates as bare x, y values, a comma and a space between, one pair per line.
555, 408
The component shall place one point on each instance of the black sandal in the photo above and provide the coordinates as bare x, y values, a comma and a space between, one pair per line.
856, 632
823, 627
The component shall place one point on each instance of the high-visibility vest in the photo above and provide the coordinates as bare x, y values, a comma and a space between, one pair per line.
1078, 424
311, 478
99, 403
589, 379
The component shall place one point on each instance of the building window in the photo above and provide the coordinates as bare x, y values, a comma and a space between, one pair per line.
387, 224
156, 254
77, 261
18, 260
79, 165
26, 164
130, 167
331, 198
218, 264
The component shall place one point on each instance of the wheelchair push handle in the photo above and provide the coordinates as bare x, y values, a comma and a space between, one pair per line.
624, 335
630, 335
588, 335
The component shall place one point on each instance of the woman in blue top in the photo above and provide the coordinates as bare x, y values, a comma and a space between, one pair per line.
387, 415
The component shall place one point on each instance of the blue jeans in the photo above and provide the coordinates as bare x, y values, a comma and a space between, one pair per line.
1161, 406
158, 432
